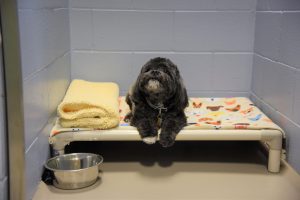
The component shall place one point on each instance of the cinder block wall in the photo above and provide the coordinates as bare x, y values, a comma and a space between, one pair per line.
210, 41
276, 68
45, 52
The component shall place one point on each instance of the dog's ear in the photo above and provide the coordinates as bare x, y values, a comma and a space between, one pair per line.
134, 92
181, 98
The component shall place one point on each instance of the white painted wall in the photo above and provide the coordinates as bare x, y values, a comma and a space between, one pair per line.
276, 68
210, 41
45, 52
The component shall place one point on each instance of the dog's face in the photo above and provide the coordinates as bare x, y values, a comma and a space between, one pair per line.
158, 78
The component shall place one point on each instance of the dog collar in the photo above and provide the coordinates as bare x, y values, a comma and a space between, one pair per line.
159, 107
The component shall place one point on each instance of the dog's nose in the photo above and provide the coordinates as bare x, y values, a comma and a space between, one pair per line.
155, 72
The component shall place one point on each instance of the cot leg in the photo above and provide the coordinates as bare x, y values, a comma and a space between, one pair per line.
274, 160
59, 147
273, 138
61, 152
57, 152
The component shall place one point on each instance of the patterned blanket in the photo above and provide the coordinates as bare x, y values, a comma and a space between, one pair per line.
205, 113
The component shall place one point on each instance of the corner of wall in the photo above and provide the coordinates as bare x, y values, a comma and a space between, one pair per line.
276, 69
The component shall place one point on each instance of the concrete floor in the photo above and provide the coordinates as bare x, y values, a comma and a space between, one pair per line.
189, 170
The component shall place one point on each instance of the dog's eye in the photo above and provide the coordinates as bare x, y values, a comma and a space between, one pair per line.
165, 70
146, 70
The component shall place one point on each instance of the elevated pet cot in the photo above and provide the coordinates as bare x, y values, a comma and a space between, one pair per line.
209, 119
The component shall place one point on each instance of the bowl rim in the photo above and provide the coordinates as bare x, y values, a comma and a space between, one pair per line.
72, 170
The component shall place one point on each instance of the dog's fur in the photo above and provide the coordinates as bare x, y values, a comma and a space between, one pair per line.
157, 100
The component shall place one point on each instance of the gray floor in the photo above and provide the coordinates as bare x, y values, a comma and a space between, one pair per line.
189, 170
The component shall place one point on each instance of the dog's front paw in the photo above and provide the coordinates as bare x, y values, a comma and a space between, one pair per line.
149, 140
167, 140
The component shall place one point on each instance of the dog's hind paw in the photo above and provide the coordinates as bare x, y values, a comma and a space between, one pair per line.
149, 140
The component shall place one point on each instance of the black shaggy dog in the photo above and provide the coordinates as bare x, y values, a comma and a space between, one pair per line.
157, 100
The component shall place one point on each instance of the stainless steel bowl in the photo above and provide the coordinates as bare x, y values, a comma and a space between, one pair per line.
76, 170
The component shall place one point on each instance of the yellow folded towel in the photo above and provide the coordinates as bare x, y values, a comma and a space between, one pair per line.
90, 104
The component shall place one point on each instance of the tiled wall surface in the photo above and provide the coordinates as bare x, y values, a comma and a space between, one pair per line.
204, 38
3, 157
276, 68
45, 52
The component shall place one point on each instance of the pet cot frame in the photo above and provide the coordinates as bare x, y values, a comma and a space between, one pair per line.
273, 139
